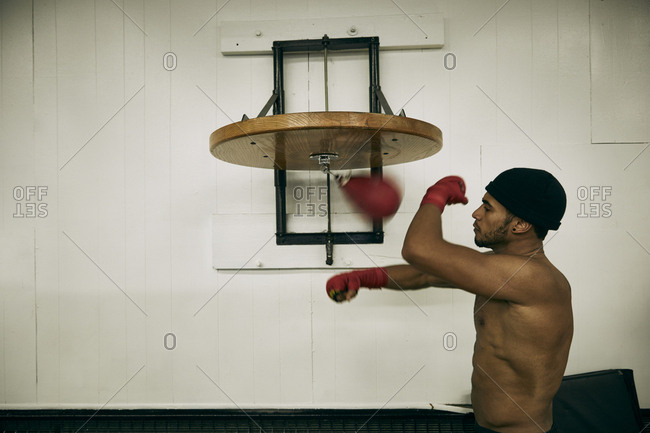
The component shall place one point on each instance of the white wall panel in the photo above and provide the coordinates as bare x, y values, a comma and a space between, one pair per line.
544, 73
620, 92
134, 203
295, 332
47, 235
18, 318
191, 199
17, 229
514, 75
236, 351
159, 266
573, 72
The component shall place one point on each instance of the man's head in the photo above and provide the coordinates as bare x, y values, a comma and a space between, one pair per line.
526, 199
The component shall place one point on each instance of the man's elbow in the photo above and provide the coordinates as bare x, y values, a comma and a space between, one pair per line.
426, 257
413, 254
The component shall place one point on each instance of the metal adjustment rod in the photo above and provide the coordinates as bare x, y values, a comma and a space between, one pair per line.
324, 162
326, 41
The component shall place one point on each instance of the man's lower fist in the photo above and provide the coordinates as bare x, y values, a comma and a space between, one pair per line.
344, 287
448, 190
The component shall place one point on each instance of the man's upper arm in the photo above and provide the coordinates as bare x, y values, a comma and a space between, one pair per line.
490, 275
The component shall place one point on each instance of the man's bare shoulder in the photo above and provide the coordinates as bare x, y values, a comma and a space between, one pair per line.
534, 279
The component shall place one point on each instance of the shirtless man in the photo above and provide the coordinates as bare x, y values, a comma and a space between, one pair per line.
522, 312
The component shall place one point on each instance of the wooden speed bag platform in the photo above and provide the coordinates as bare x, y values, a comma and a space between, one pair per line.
353, 139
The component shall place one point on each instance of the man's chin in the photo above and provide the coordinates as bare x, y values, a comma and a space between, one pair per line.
481, 243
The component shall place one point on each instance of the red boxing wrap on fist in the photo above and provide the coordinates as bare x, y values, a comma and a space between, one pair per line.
448, 190
375, 197
345, 286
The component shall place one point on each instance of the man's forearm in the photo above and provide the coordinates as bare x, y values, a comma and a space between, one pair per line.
424, 233
406, 277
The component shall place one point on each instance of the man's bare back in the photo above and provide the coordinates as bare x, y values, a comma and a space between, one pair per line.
520, 355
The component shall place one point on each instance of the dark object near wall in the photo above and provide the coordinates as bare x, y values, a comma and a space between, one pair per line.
598, 402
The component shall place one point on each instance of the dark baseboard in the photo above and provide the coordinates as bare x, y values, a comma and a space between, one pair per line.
234, 421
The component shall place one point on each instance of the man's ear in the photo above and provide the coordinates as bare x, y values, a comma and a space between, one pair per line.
521, 226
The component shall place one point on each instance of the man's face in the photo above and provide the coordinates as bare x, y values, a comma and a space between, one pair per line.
492, 223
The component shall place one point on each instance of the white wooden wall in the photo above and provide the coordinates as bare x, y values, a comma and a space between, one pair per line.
109, 298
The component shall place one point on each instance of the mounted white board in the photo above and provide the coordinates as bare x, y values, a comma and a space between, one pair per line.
394, 32
249, 243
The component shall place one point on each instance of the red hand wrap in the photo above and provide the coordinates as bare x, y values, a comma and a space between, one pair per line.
340, 284
448, 190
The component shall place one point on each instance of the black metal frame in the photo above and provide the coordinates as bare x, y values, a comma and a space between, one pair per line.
376, 100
